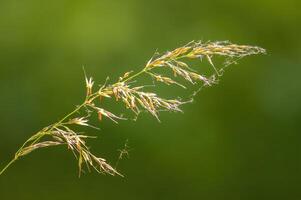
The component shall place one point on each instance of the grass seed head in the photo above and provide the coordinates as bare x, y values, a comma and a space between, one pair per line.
134, 96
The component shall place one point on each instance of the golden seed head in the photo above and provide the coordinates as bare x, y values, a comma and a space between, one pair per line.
137, 98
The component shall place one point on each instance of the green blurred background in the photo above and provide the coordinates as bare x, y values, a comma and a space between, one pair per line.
238, 140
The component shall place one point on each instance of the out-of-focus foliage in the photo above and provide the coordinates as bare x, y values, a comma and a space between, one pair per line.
238, 140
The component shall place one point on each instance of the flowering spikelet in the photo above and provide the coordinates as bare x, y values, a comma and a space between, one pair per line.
82, 121
135, 97
77, 145
166, 80
107, 114
89, 85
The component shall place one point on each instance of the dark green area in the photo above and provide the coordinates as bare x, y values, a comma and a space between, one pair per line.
239, 140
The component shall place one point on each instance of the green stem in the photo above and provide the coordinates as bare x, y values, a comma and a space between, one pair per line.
27, 141
39, 135
11, 162
135, 75
67, 116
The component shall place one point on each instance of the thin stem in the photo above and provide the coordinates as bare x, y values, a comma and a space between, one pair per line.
69, 115
27, 141
11, 162
39, 135
135, 75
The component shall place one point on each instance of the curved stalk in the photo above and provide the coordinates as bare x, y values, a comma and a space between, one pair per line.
134, 98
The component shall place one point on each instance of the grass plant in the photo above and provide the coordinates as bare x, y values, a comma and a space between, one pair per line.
135, 96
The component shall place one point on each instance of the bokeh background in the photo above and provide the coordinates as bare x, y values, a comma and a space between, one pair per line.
238, 140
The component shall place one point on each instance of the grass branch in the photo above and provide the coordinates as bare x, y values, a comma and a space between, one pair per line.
135, 97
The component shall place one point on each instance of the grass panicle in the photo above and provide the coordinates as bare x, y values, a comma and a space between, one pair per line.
135, 97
